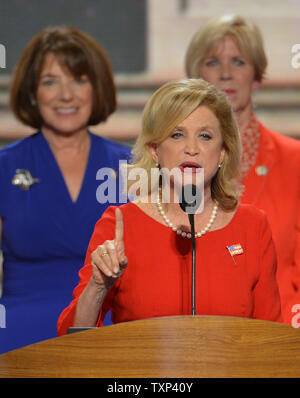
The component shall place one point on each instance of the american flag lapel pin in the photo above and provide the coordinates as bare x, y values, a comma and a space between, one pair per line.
235, 250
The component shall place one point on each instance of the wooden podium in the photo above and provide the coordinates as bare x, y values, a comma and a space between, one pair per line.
167, 347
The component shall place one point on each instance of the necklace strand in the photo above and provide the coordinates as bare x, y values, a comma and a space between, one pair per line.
179, 231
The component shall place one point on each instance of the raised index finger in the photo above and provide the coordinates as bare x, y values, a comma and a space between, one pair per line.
119, 228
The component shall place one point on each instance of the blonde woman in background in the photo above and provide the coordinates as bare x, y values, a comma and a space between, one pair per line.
229, 53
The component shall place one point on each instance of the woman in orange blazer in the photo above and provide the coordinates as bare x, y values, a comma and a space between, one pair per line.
229, 53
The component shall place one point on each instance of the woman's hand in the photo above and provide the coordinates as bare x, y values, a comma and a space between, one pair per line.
109, 260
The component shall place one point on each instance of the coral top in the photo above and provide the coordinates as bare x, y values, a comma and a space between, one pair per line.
157, 281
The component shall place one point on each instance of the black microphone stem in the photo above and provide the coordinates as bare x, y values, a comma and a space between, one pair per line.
189, 204
191, 218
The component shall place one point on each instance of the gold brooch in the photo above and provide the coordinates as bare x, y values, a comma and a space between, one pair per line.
23, 179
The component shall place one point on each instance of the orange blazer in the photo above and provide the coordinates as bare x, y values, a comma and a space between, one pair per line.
273, 185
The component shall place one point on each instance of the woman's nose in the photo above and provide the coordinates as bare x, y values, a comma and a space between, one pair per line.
66, 91
225, 72
191, 147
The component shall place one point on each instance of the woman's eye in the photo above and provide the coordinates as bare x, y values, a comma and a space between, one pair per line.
205, 136
48, 82
81, 80
176, 135
238, 62
211, 62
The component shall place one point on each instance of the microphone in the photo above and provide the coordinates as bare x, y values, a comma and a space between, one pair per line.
190, 201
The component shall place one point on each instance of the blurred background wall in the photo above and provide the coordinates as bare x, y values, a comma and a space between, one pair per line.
146, 41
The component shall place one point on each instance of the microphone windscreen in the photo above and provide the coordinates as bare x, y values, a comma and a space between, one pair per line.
191, 198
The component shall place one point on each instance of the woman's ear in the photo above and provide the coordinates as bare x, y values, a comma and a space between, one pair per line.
153, 151
256, 85
222, 155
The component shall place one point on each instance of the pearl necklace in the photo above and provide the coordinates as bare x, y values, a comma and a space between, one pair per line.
182, 233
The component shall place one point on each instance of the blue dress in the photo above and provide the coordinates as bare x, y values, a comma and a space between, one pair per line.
45, 235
